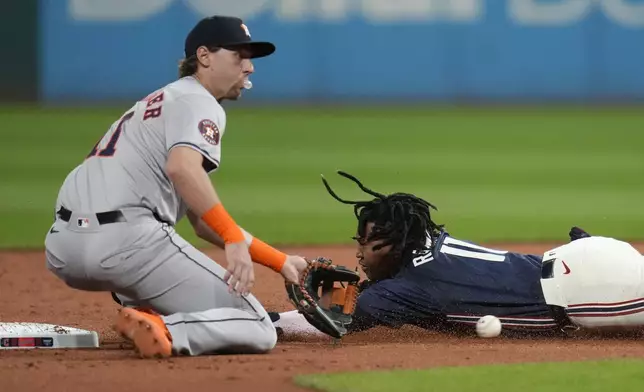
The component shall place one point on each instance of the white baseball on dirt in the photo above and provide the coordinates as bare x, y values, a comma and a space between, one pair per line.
488, 327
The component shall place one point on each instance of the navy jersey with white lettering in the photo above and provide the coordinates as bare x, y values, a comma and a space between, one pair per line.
459, 282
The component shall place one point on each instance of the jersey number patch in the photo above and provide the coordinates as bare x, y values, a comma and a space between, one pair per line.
150, 112
452, 246
110, 148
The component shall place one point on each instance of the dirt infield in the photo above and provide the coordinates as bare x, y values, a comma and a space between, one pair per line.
28, 292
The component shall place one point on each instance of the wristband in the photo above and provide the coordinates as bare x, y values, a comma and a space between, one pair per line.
266, 255
218, 220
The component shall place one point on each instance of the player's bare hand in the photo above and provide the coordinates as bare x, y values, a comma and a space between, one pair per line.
240, 273
293, 268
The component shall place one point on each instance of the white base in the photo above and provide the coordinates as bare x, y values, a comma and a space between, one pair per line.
38, 335
294, 323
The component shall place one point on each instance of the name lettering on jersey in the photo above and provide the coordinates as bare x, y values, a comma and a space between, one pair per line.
153, 112
420, 260
209, 131
424, 258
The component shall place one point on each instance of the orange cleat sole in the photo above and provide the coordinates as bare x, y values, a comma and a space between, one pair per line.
147, 331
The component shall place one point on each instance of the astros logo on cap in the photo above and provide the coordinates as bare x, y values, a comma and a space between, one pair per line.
243, 26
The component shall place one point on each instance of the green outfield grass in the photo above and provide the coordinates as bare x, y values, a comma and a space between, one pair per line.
622, 375
496, 174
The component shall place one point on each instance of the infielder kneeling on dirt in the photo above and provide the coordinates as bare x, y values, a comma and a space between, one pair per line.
116, 212
420, 275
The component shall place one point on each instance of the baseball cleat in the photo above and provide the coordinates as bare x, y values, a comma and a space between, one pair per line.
125, 323
147, 331
577, 233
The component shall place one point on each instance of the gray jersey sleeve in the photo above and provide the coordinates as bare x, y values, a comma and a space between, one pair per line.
198, 122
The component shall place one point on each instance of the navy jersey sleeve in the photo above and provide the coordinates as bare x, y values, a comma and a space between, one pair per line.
394, 303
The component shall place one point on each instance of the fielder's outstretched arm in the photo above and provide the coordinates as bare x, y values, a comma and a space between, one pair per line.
207, 234
185, 169
194, 150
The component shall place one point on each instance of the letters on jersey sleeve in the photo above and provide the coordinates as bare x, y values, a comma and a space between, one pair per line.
197, 122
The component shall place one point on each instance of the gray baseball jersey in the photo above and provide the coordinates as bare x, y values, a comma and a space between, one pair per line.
126, 167
140, 257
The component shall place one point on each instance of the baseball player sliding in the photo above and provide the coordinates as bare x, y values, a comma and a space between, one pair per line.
419, 274
116, 212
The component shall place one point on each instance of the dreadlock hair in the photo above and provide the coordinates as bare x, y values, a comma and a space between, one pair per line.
402, 220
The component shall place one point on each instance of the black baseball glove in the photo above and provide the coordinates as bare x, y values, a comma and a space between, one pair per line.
326, 295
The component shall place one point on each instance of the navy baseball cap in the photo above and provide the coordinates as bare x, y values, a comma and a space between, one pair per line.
226, 32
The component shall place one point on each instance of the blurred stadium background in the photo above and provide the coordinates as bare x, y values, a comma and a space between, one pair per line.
517, 118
